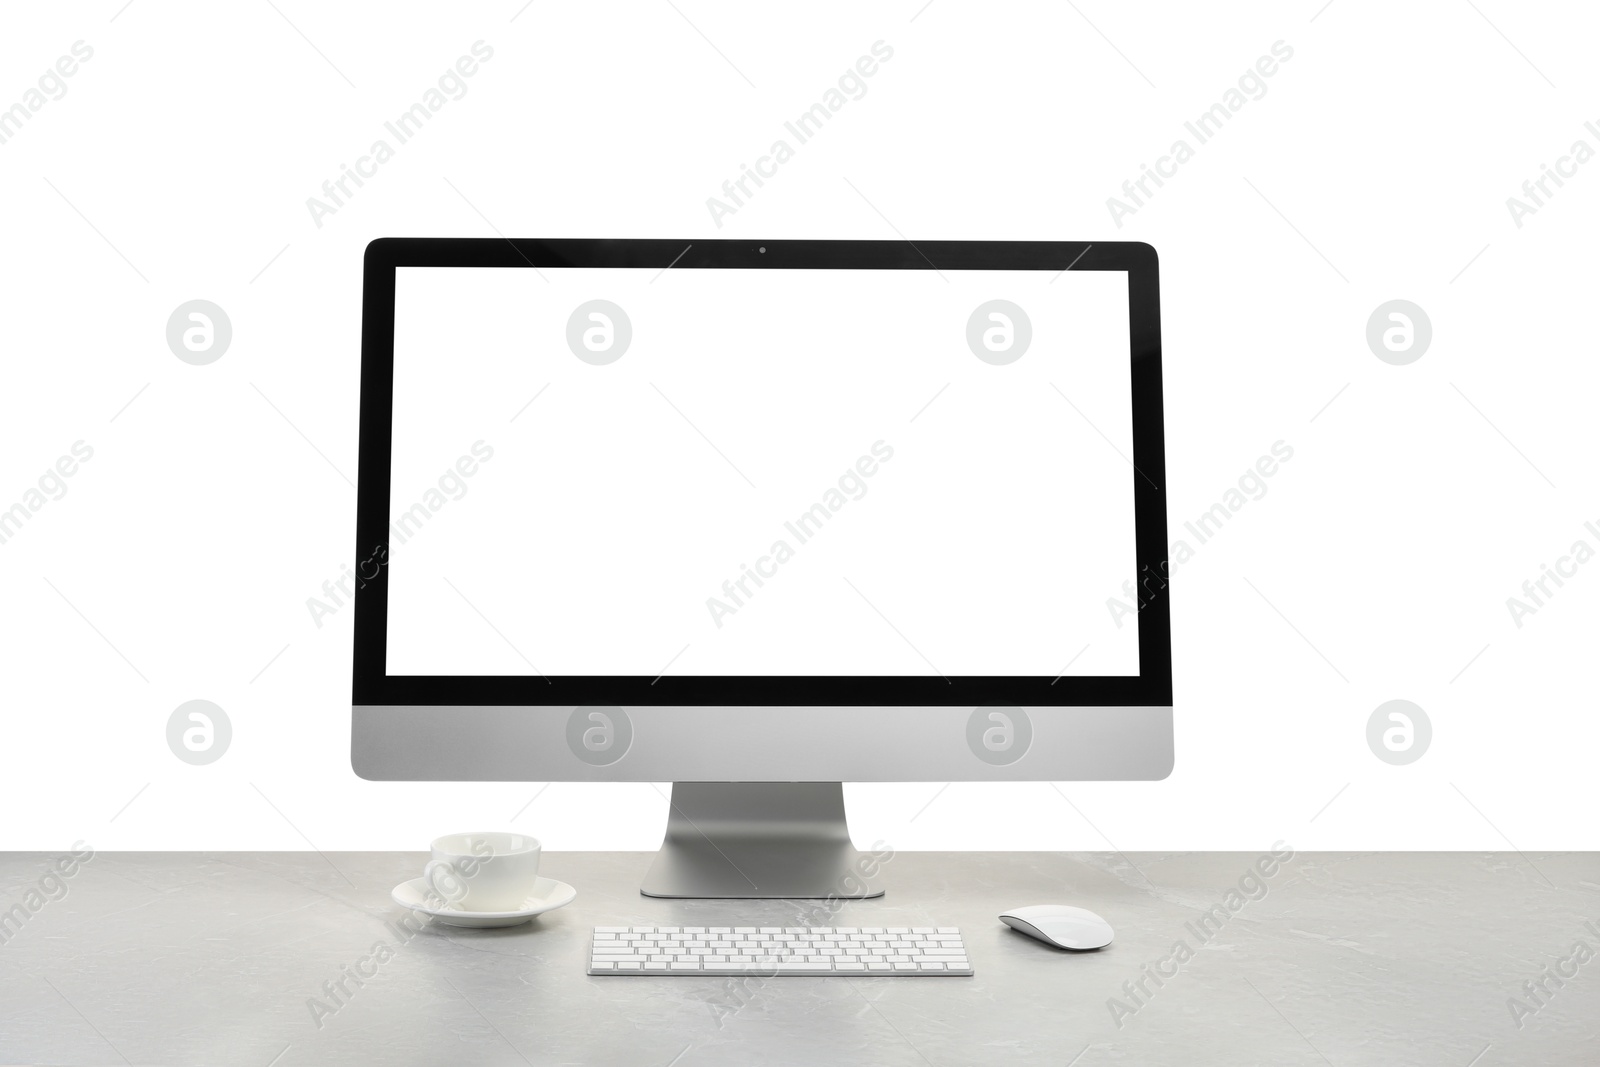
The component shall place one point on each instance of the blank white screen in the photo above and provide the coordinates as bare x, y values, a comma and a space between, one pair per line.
565, 518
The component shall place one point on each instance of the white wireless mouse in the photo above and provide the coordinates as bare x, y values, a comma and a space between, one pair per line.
1060, 925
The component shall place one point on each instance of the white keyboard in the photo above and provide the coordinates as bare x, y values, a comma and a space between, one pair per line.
774, 950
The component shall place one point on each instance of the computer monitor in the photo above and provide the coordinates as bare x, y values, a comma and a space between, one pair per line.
758, 518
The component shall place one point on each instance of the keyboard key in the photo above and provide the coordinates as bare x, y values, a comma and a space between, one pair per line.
610, 929
931, 966
692, 965
603, 965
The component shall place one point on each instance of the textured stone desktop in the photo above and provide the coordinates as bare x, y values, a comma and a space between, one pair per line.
1220, 958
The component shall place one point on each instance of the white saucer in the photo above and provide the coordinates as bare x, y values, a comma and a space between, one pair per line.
548, 894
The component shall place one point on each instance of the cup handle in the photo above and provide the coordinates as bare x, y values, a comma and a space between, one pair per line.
444, 881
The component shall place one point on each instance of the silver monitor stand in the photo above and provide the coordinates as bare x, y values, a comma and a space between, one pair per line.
759, 840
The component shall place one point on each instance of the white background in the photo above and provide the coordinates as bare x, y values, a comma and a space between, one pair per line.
620, 498
1377, 166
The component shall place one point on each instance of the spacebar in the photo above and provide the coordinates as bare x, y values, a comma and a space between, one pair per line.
770, 966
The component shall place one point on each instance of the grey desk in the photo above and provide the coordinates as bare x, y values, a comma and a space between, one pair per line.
1346, 960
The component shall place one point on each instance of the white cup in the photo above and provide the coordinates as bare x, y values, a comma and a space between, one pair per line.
483, 872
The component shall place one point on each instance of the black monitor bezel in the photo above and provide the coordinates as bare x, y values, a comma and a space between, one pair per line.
372, 685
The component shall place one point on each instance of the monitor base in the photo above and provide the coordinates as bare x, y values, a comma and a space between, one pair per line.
759, 841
